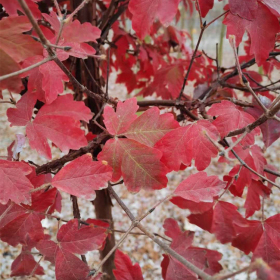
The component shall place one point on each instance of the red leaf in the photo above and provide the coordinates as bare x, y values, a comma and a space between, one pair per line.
255, 190
205, 6
52, 80
195, 208
35, 78
125, 270
23, 113
150, 127
185, 143
118, 122
12, 6
262, 30
254, 158
199, 187
218, 220
204, 259
260, 238
70, 267
74, 34
13, 84
271, 128
145, 12
13, 184
230, 117
58, 121
80, 241
13, 42
139, 165
72, 240
82, 177
24, 265
245, 9
20, 226
167, 82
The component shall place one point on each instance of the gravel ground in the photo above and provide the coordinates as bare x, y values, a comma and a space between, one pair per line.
140, 248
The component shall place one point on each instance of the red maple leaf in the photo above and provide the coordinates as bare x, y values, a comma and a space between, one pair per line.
245, 9
20, 225
74, 35
194, 207
13, 84
262, 30
145, 12
167, 82
14, 48
14, 184
24, 264
232, 117
183, 144
125, 270
205, 6
139, 165
118, 122
52, 80
253, 203
181, 243
72, 240
16, 44
12, 6
259, 237
150, 127
199, 187
82, 176
58, 121
254, 158
218, 220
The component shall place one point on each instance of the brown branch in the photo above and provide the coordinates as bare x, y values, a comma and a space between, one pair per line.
275, 173
58, 163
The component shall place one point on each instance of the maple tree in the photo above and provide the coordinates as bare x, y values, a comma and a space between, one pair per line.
56, 58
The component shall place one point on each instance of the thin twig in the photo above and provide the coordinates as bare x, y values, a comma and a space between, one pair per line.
95, 271
224, 277
58, 9
77, 10
155, 206
47, 59
192, 60
108, 71
243, 163
216, 18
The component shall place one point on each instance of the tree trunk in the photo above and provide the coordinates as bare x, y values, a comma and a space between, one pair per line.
102, 203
